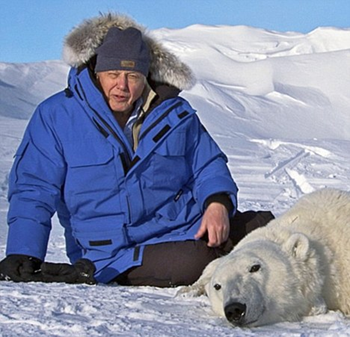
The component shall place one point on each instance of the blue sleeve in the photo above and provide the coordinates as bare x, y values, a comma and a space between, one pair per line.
211, 174
35, 185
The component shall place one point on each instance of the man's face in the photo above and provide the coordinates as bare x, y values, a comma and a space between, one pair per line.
121, 88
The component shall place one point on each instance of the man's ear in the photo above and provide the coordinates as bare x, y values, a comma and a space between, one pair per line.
298, 245
199, 287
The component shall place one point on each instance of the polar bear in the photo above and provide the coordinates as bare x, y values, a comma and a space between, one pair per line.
297, 265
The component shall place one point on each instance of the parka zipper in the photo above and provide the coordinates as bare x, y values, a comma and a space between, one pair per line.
124, 156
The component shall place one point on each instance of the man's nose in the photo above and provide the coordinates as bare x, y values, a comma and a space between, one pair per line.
122, 81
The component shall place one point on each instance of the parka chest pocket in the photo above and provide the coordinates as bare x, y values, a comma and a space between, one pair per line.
169, 160
90, 169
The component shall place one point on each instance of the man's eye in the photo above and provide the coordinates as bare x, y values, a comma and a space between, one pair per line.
255, 268
134, 77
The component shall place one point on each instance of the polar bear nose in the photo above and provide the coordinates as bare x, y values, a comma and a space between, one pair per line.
235, 312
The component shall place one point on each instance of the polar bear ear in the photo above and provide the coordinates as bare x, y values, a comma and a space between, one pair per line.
298, 245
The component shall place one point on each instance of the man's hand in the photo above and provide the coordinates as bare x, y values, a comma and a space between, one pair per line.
81, 271
20, 268
23, 268
216, 223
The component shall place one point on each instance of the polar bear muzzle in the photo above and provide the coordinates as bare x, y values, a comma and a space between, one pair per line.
235, 313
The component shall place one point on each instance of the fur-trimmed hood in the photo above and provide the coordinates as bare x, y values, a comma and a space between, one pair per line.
80, 45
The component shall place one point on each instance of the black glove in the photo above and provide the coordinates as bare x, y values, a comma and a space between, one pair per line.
81, 271
20, 268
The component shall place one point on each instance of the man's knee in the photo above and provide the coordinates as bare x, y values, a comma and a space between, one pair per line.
245, 222
171, 264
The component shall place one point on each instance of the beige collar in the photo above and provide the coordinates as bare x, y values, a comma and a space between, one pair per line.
147, 96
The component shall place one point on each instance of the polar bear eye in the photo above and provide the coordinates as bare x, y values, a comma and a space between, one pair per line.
217, 286
255, 268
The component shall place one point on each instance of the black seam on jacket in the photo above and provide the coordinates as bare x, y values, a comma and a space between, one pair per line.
100, 128
136, 253
100, 243
183, 114
161, 133
135, 160
156, 122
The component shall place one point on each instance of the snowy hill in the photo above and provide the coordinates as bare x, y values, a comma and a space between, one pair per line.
277, 103
268, 83
23, 86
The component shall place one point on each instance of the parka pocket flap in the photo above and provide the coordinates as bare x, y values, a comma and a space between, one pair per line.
109, 242
89, 155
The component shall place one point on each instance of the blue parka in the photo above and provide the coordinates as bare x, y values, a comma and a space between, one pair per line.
75, 160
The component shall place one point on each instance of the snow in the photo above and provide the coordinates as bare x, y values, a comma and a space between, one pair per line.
277, 103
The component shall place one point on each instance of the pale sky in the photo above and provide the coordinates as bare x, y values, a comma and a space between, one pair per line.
33, 30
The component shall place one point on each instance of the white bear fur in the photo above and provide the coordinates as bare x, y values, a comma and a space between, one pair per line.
304, 259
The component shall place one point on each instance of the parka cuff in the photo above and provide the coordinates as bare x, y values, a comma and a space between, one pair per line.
221, 198
215, 187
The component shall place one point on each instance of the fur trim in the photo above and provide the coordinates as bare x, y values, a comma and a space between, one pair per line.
80, 45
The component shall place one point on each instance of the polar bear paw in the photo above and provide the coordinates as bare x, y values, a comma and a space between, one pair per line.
319, 308
194, 290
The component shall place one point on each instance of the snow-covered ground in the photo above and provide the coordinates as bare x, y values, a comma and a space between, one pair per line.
279, 106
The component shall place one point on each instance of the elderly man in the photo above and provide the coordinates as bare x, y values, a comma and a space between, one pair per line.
142, 190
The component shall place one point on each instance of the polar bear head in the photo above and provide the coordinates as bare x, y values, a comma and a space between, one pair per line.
263, 281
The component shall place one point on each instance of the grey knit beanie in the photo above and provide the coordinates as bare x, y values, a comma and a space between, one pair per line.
123, 50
